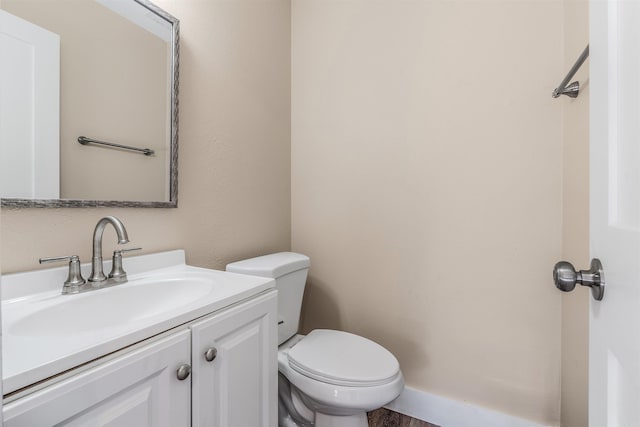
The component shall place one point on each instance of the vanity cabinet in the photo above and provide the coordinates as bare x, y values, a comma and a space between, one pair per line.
139, 386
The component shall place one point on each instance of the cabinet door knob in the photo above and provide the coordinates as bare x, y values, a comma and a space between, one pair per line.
184, 371
210, 354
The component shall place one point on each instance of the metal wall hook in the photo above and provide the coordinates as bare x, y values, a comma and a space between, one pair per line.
571, 91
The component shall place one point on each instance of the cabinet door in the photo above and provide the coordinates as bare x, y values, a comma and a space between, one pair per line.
239, 387
137, 389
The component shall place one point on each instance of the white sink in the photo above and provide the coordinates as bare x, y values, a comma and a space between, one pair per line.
45, 332
97, 310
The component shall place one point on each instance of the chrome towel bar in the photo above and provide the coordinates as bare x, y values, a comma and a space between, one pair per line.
84, 141
574, 88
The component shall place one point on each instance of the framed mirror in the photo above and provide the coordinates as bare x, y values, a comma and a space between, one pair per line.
89, 106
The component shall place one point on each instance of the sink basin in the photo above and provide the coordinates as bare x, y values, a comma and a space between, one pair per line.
45, 333
97, 310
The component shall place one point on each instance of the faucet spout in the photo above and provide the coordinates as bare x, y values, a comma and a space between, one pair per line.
97, 270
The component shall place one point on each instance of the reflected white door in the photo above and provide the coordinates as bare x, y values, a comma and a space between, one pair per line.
614, 331
29, 110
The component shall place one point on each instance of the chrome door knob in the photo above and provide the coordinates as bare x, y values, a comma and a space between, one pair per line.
565, 277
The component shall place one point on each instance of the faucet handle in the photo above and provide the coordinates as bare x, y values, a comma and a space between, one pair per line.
127, 250
117, 272
74, 278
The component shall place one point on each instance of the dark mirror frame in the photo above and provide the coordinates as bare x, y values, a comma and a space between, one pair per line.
173, 178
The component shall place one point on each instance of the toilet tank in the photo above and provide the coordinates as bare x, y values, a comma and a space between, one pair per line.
289, 270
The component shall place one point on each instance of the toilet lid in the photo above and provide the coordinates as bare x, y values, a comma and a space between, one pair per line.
341, 358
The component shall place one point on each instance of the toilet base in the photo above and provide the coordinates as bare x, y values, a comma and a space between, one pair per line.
357, 420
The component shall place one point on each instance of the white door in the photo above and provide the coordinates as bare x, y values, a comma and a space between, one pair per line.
29, 110
614, 330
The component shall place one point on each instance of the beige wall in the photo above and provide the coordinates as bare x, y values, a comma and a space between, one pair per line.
426, 188
113, 87
575, 221
234, 180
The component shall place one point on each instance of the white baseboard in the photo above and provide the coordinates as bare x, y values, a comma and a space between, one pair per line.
451, 413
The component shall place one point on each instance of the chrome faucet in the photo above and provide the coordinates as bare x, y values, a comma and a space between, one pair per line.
97, 270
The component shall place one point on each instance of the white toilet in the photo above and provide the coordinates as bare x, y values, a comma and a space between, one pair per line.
327, 378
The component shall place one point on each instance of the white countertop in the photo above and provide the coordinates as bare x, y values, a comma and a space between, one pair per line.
31, 357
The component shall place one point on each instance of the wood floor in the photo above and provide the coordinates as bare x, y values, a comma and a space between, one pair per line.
385, 418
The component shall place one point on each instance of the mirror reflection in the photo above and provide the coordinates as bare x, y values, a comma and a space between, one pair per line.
116, 79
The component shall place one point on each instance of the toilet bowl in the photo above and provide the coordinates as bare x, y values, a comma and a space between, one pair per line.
338, 375
327, 378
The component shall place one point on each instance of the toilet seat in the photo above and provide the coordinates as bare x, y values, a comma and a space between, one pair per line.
344, 359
